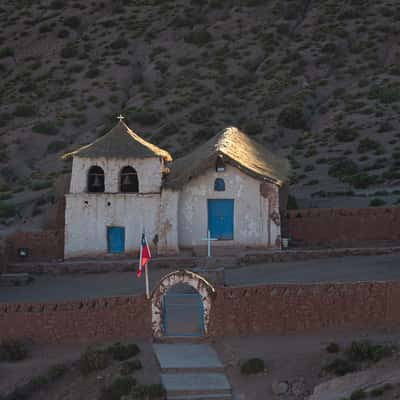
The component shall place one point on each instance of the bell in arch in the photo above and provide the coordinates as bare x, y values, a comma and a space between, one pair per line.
127, 180
97, 181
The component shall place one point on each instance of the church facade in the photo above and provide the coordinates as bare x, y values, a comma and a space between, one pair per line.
122, 185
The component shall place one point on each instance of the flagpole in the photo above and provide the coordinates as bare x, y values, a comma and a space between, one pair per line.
146, 274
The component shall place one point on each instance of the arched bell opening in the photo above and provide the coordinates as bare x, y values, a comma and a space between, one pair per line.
129, 182
95, 180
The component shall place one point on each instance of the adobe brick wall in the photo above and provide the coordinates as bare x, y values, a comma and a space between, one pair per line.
234, 311
343, 225
285, 308
77, 321
42, 245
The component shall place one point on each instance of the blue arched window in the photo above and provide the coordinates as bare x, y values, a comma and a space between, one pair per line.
219, 185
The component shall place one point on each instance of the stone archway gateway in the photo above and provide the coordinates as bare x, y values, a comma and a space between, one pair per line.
197, 282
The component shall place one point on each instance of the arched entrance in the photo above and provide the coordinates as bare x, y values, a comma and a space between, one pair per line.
181, 305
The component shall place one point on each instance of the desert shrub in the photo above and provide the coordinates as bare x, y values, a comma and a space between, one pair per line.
343, 168
72, 22
92, 360
358, 394
5, 118
120, 43
340, 367
121, 386
368, 144
363, 350
201, 115
362, 180
63, 33
346, 134
69, 52
45, 28
56, 372
147, 117
6, 52
148, 392
253, 128
57, 4
122, 352
333, 348
292, 203
130, 366
379, 391
12, 350
199, 38
45, 128
41, 185
292, 118
92, 73
377, 203
252, 366
385, 94
56, 146
7, 210
25, 110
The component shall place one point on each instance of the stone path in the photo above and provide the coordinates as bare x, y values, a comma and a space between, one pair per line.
80, 286
192, 372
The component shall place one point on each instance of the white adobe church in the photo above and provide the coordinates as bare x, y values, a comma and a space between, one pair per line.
120, 184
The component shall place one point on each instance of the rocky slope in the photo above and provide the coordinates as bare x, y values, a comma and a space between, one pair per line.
318, 81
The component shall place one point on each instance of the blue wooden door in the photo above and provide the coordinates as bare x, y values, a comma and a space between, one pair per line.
220, 218
116, 239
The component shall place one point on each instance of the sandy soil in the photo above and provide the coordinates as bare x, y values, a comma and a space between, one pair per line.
73, 386
287, 357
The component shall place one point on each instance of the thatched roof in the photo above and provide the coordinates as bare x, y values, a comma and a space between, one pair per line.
120, 142
235, 148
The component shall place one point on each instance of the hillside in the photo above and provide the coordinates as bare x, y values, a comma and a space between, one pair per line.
318, 81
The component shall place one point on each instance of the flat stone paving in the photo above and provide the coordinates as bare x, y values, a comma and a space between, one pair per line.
192, 371
81, 286
190, 356
195, 382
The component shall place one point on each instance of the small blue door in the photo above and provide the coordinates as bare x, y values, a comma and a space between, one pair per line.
220, 218
116, 239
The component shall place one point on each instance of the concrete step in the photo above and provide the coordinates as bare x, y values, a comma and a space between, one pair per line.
201, 397
180, 339
196, 384
187, 357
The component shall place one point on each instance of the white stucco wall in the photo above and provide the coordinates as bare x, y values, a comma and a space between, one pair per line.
149, 172
168, 224
252, 224
88, 215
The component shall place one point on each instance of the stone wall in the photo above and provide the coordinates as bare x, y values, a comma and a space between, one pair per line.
77, 321
285, 308
46, 244
234, 311
323, 226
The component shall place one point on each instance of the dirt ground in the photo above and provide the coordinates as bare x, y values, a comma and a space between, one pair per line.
291, 357
73, 386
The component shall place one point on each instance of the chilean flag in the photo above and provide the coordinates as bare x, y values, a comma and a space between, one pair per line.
145, 255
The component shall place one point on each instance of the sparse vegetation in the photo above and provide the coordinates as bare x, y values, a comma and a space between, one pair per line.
12, 350
122, 352
92, 360
252, 366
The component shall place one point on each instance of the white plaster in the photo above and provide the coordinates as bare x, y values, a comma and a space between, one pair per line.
149, 172
251, 210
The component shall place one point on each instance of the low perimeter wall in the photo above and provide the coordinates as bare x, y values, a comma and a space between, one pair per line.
342, 225
77, 321
234, 311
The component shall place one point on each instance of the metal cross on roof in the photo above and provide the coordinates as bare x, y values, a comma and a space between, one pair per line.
120, 117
